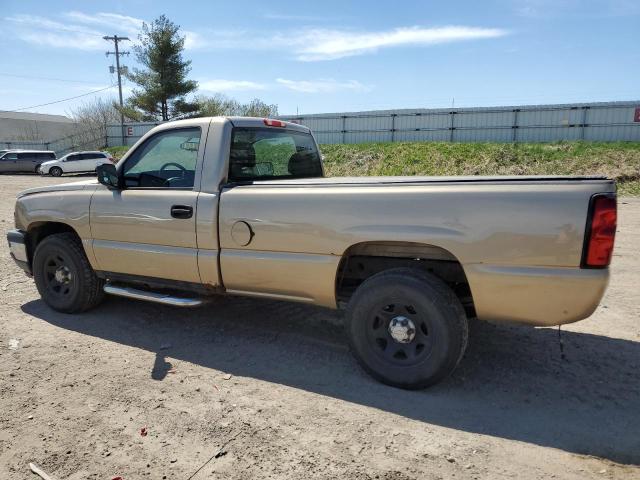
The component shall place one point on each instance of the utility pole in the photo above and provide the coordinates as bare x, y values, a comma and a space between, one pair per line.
115, 39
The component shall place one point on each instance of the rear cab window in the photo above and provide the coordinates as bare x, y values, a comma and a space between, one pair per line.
269, 154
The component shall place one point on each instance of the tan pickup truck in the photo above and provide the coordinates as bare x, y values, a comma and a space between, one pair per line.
239, 206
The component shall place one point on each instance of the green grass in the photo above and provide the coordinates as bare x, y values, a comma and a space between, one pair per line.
117, 152
620, 161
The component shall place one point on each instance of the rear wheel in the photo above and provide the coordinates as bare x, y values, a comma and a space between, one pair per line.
55, 171
64, 278
406, 328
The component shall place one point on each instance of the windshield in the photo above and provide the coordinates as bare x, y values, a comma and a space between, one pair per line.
267, 153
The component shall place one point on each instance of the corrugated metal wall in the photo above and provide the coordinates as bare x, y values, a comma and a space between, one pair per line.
128, 134
605, 122
608, 122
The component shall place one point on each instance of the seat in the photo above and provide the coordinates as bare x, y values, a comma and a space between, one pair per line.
242, 162
301, 165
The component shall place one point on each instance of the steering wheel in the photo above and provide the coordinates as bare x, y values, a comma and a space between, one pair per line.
167, 182
172, 164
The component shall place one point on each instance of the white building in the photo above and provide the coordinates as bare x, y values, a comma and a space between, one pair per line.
33, 127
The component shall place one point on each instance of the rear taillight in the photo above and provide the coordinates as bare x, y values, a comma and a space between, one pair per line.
273, 123
601, 232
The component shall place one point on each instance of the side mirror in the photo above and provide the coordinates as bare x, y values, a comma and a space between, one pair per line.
107, 175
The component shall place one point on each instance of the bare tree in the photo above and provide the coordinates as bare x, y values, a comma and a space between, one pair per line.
220, 104
91, 120
258, 108
216, 105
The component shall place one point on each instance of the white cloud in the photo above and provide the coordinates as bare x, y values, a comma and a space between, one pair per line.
328, 85
193, 40
116, 21
314, 44
222, 85
43, 31
319, 44
85, 31
324, 85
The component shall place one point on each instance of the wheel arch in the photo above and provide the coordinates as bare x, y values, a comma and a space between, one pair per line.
38, 231
363, 260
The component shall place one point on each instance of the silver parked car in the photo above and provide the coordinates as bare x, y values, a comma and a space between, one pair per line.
24, 160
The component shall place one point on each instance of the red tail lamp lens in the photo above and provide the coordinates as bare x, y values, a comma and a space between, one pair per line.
274, 123
602, 232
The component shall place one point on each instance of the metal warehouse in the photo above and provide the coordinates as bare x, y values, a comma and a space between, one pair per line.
607, 122
603, 122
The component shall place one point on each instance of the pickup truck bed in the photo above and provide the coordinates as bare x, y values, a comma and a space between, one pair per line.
517, 239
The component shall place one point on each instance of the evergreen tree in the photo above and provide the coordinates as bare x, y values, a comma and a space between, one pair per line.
163, 82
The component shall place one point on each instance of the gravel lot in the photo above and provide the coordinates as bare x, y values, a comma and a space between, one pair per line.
259, 389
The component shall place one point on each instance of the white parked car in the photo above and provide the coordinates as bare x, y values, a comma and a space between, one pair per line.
75, 162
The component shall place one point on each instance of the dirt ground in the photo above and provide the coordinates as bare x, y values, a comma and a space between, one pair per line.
260, 389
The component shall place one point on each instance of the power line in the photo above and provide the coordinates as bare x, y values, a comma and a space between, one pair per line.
46, 78
60, 101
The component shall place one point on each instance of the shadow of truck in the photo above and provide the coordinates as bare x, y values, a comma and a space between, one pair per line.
512, 382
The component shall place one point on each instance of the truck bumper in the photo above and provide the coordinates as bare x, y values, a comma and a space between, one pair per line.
540, 296
18, 247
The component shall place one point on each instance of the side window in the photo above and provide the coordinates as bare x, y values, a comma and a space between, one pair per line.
266, 153
10, 156
166, 160
89, 156
24, 156
73, 158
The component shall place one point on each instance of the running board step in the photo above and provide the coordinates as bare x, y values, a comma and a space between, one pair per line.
164, 298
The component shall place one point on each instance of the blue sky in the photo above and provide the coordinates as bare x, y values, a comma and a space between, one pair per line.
330, 56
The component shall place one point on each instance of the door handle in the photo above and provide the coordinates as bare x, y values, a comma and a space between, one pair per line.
181, 211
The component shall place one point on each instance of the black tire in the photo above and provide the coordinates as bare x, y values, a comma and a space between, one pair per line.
426, 315
64, 278
55, 171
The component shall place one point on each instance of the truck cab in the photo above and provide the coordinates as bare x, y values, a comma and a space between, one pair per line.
161, 219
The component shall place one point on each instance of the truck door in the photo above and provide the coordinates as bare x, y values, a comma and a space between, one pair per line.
148, 228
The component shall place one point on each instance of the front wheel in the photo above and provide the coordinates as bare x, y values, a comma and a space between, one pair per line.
55, 172
64, 278
406, 328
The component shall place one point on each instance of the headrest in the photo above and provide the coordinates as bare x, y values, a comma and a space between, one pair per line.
301, 164
243, 156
